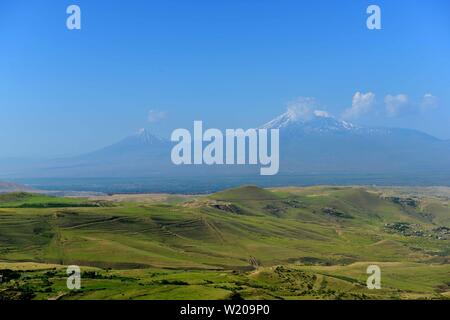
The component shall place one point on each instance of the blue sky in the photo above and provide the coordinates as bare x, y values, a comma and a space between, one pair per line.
228, 63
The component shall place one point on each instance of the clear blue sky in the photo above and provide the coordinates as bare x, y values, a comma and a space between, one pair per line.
233, 63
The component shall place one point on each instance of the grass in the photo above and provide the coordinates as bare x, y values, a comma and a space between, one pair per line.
29, 200
246, 242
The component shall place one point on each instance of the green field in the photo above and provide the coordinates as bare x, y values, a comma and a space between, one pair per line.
244, 243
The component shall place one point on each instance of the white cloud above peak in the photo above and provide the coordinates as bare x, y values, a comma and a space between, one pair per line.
302, 108
428, 101
395, 103
155, 116
362, 104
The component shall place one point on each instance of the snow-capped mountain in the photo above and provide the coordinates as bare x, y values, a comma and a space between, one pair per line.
315, 141
321, 123
139, 154
141, 142
310, 142
317, 122
143, 136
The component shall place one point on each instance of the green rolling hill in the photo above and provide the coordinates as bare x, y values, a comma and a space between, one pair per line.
248, 242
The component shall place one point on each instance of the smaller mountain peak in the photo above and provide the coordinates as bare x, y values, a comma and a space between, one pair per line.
143, 135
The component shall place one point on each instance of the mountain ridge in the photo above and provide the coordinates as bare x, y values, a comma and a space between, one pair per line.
310, 143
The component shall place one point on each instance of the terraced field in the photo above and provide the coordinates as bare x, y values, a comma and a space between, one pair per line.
250, 243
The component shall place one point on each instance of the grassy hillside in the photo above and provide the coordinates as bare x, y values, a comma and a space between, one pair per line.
285, 243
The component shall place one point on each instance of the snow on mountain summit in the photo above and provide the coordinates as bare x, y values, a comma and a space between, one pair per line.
144, 136
311, 121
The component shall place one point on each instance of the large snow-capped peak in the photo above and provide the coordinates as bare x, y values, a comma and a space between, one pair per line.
309, 121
